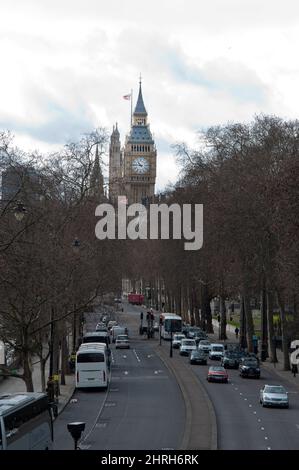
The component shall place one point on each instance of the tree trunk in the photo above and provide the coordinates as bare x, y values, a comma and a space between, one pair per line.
64, 358
243, 329
272, 348
27, 372
222, 318
206, 310
43, 373
285, 346
249, 323
264, 326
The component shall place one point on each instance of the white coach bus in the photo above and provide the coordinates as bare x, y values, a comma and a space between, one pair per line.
25, 422
170, 323
92, 366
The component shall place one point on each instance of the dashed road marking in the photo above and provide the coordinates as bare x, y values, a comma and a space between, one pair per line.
250, 406
126, 372
245, 399
254, 412
136, 355
101, 425
110, 403
263, 429
266, 438
268, 448
84, 446
124, 356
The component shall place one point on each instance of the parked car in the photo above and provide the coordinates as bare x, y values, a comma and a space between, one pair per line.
177, 339
217, 374
193, 331
198, 357
187, 345
216, 351
204, 345
230, 359
274, 395
249, 367
122, 342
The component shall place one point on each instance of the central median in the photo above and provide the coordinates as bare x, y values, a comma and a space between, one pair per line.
200, 426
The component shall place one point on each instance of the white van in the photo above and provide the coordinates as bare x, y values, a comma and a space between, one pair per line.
26, 422
216, 351
92, 366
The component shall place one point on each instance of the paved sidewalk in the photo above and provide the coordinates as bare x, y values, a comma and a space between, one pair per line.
276, 368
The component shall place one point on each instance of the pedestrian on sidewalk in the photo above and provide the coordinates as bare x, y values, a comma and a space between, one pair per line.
237, 332
294, 369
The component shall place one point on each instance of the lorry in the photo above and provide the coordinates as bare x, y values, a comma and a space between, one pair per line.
135, 299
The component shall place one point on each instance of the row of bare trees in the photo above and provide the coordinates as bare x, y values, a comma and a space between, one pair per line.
247, 178
52, 268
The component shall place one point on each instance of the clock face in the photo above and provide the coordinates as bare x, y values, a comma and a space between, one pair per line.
140, 165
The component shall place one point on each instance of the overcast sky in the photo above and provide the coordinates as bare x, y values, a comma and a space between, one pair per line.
66, 64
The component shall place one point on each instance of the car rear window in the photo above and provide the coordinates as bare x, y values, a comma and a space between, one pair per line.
90, 357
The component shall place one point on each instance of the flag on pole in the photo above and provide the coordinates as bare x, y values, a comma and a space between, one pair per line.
127, 97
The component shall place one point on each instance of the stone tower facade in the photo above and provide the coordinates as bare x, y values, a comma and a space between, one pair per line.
132, 170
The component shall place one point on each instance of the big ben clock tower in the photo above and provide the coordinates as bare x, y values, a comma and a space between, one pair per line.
140, 157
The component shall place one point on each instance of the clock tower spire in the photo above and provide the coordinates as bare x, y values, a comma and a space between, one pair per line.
140, 156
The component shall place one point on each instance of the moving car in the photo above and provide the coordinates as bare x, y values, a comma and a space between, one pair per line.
216, 351
118, 330
274, 395
187, 345
101, 327
198, 357
204, 345
122, 342
217, 374
249, 367
193, 331
230, 359
177, 339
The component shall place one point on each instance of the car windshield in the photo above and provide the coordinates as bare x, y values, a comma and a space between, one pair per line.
216, 369
217, 348
205, 342
274, 389
122, 337
188, 343
250, 362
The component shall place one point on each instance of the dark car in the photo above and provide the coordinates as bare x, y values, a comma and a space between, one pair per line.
198, 357
249, 367
231, 359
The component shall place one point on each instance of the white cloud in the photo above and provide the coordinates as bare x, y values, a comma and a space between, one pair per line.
67, 63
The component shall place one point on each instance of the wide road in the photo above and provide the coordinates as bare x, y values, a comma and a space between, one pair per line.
142, 409
242, 423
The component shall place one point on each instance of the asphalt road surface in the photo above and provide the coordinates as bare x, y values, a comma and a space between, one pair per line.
242, 423
142, 409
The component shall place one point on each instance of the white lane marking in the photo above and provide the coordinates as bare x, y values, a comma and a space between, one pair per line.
259, 420
263, 429
241, 393
136, 355
268, 448
236, 388
245, 399
250, 406
266, 438
125, 357
101, 425
126, 372
84, 446
297, 426
254, 412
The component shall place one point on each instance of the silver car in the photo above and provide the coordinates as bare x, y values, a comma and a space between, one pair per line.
274, 395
